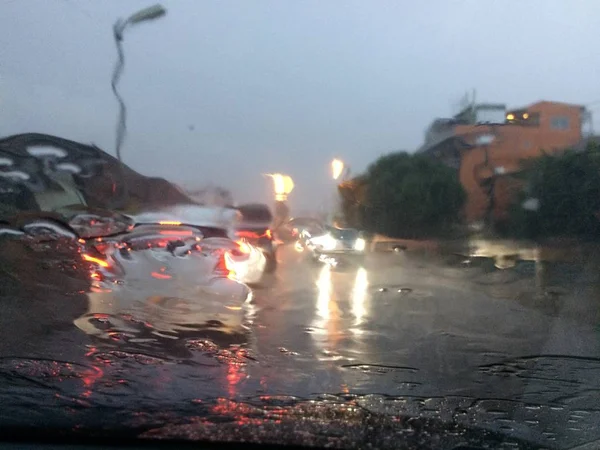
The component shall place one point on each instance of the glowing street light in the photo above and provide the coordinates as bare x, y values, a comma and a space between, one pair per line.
282, 186
337, 168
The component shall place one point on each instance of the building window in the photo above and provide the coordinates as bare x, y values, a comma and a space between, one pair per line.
523, 117
559, 123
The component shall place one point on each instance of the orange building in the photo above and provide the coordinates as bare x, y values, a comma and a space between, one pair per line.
487, 142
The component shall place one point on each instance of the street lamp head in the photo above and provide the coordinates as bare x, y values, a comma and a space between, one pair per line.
337, 167
152, 12
282, 185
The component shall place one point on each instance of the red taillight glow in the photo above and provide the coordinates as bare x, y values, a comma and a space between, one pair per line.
177, 232
253, 235
96, 276
225, 267
101, 247
161, 276
247, 234
94, 260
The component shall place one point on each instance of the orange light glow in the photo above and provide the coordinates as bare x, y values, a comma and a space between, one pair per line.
225, 267
98, 261
247, 234
244, 247
90, 378
177, 233
282, 185
169, 222
337, 167
269, 234
161, 276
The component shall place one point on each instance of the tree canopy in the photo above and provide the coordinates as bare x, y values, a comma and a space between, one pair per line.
404, 195
566, 189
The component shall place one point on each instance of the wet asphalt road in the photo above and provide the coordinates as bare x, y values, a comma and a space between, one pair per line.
451, 337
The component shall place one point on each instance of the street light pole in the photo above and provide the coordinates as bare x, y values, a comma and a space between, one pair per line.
282, 186
150, 13
339, 170
485, 141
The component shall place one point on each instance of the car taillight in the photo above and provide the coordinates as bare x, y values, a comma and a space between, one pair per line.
247, 235
225, 267
252, 235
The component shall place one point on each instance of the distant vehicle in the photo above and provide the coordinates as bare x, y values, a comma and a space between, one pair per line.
337, 243
304, 233
255, 228
294, 227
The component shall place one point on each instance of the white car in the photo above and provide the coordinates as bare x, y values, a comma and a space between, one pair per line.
217, 227
169, 278
337, 244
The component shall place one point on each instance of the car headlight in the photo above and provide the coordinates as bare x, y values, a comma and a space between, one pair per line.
359, 244
326, 242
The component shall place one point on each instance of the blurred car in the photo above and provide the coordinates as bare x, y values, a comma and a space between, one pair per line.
306, 226
292, 229
305, 234
255, 228
173, 277
170, 277
336, 243
216, 226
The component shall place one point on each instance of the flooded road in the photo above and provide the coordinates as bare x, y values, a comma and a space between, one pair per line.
451, 337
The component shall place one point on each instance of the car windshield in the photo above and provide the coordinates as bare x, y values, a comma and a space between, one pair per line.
337, 224
345, 234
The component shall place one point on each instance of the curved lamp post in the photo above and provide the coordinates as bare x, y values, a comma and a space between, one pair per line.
146, 14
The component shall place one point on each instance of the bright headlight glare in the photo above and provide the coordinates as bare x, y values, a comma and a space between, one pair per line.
328, 242
359, 244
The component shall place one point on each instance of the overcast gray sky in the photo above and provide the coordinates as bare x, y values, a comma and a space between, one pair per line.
222, 91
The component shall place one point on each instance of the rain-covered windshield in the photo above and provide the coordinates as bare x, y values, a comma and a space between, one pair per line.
341, 224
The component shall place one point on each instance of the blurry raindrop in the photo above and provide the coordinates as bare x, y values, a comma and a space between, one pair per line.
42, 150
49, 228
15, 175
68, 167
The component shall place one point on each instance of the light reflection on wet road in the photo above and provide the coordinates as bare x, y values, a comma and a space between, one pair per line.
404, 326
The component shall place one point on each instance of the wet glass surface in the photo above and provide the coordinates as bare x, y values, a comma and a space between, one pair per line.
137, 306
444, 335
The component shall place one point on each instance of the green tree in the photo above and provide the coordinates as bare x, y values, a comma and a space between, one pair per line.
406, 196
567, 189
